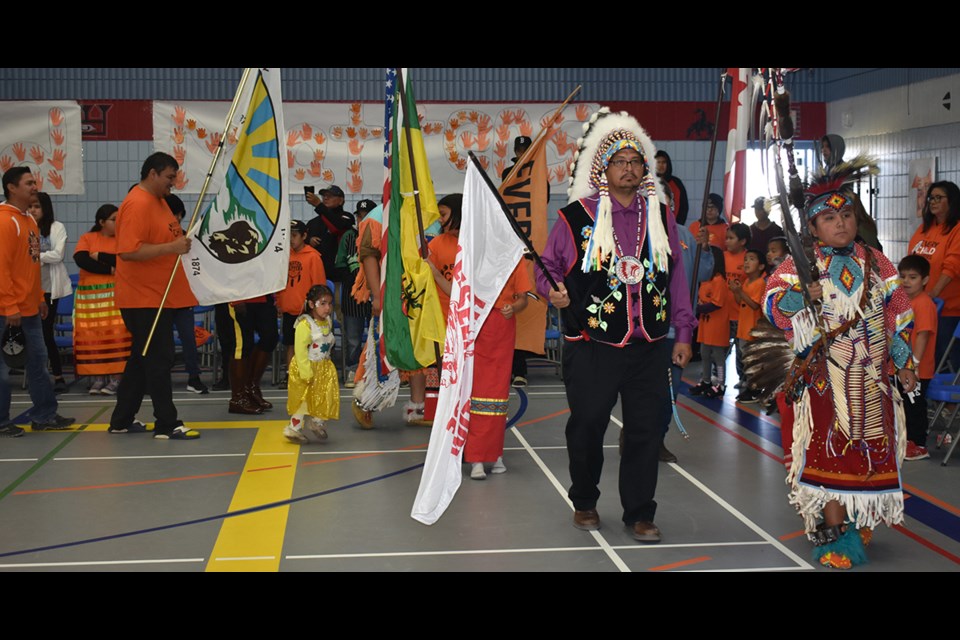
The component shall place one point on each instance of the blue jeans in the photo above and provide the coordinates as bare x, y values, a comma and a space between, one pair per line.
353, 338
183, 320
38, 381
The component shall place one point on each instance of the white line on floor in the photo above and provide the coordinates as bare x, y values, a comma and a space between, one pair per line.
801, 563
341, 453
617, 561
93, 563
197, 455
463, 552
654, 547
18, 459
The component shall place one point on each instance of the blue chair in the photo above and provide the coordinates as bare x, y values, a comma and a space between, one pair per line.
939, 303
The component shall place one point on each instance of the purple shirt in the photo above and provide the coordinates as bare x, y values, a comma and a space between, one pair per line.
560, 256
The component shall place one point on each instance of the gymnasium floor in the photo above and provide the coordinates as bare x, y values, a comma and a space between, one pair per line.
242, 498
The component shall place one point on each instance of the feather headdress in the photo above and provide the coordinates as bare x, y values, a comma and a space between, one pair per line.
831, 189
603, 135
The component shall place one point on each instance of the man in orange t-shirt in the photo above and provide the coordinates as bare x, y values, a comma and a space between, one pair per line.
22, 304
149, 245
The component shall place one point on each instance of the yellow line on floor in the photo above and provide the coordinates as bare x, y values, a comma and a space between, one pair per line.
254, 542
200, 426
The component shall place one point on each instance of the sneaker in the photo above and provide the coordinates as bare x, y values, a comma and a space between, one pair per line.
316, 428
283, 382
180, 432
195, 385
915, 452
294, 435
97, 386
519, 382
110, 389
56, 423
699, 389
748, 396
11, 431
135, 427
348, 378
59, 385
944, 438
223, 384
714, 392
477, 472
498, 466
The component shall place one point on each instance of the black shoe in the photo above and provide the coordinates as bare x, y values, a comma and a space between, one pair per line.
714, 392
223, 384
11, 431
195, 385
748, 397
699, 389
666, 455
57, 423
59, 385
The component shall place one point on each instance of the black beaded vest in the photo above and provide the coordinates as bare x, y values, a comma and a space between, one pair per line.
602, 306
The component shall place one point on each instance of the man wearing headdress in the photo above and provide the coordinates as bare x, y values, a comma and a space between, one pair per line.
616, 257
848, 435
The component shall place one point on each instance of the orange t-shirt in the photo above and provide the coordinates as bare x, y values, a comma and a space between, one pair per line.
716, 233
925, 319
96, 242
368, 245
714, 328
305, 271
443, 255
748, 317
20, 290
146, 219
518, 284
942, 250
733, 265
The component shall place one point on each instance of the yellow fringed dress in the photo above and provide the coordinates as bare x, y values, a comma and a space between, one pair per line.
312, 387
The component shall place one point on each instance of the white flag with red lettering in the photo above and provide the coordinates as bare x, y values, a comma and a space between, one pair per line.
488, 252
741, 110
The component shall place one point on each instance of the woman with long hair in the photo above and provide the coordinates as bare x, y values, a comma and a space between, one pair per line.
101, 342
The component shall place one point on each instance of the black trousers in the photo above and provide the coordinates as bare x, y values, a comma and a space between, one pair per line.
915, 414
596, 375
147, 375
53, 352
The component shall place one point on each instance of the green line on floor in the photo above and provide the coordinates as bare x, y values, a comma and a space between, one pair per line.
47, 458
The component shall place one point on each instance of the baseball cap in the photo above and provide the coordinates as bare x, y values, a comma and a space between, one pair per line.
366, 206
298, 225
333, 190
522, 141
14, 347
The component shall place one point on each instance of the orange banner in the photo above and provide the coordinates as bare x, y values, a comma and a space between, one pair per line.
526, 195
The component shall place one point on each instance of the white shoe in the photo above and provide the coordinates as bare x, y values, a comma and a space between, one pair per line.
316, 428
294, 435
477, 472
498, 466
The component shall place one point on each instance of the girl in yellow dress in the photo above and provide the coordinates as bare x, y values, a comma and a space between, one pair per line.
313, 393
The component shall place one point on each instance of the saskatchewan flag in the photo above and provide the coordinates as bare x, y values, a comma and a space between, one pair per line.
412, 321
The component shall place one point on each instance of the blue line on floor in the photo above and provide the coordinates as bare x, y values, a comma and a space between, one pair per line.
522, 410
222, 516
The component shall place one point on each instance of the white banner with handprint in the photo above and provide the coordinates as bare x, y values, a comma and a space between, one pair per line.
342, 143
45, 136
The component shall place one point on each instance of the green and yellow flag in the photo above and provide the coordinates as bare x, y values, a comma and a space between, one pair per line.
412, 320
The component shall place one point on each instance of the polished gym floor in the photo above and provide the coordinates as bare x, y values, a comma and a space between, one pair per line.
244, 499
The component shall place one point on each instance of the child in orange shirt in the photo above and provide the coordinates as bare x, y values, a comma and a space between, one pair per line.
749, 295
305, 271
737, 239
914, 276
713, 331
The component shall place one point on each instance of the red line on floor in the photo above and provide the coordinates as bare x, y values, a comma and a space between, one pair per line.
791, 536
730, 432
127, 484
283, 466
542, 418
929, 545
682, 563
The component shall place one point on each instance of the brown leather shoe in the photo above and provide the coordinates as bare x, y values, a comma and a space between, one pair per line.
666, 455
588, 520
646, 532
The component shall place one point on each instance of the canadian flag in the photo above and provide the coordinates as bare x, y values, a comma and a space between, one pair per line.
735, 178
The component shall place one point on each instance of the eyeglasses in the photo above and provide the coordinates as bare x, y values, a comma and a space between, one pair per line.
937, 198
621, 164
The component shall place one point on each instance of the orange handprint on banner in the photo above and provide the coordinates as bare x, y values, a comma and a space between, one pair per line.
58, 158
293, 137
181, 181
482, 141
6, 163
20, 151
56, 117
503, 132
453, 124
319, 154
355, 147
355, 117
37, 154
474, 116
315, 168
500, 149
300, 173
337, 132
461, 163
583, 112
328, 176
191, 124
353, 167
500, 166
466, 138
355, 183
178, 135
484, 124
319, 138
484, 162
377, 132
55, 179
289, 159
201, 133
179, 154
306, 131
39, 180
57, 136
526, 129
179, 115
452, 155
351, 132
364, 133
213, 142
449, 134
507, 117
232, 138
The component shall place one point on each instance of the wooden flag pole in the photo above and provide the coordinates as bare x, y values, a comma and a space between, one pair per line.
543, 131
203, 193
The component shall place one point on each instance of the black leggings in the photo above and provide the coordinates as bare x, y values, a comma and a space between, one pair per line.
52, 351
